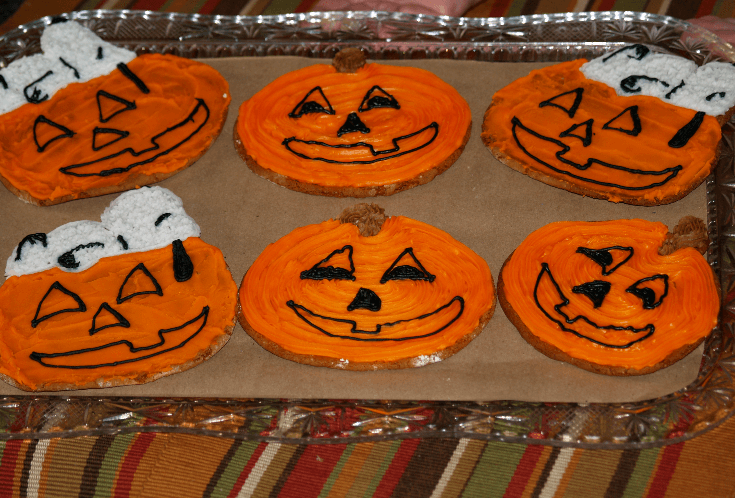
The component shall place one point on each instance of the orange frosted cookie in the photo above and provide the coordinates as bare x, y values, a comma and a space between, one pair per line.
617, 297
353, 129
633, 126
86, 118
125, 301
366, 293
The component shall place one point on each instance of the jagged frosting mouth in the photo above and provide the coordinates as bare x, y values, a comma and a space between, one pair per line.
399, 330
162, 144
598, 170
359, 152
613, 336
125, 351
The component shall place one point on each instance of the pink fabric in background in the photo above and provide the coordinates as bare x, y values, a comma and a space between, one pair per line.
724, 28
453, 8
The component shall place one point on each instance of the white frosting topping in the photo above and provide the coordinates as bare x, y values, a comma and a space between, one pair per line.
636, 70
71, 53
130, 220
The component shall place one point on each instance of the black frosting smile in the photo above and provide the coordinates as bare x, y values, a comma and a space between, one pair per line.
356, 334
570, 324
638, 179
179, 133
127, 351
377, 155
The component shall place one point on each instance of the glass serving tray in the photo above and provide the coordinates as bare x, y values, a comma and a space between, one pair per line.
704, 404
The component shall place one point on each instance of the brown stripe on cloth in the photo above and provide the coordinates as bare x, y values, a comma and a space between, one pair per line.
466, 465
593, 472
426, 467
545, 472
287, 471
275, 469
622, 474
23, 488
94, 463
224, 462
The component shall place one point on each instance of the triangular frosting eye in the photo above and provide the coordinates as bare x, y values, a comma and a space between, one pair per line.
46, 131
609, 258
567, 101
375, 98
584, 135
138, 282
58, 299
595, 291
337, 266
102, 137
108, 316
411, 269
314, 102
627, 121
110, 105
651, 290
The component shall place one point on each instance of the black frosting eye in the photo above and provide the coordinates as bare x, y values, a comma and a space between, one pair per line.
609, 258
314, 102
375, 98
647, 294
331, 272
415, 271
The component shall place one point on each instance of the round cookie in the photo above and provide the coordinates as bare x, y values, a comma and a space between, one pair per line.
353, 129
126, 301
86, 118
619, 297
633, 127
362, 294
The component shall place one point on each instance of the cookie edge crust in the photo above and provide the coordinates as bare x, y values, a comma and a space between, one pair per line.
368, 191
326, 361
130, 182
557, 354
625, 198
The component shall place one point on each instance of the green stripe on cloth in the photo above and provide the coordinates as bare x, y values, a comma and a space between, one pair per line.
110, 463
622, 474
337, 470
94, 464
644, 467
234, 468
381, 456
495, 469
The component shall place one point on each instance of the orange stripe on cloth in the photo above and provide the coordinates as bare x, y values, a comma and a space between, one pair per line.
166, 467
66, 467
537, 472
43, 479
351, 469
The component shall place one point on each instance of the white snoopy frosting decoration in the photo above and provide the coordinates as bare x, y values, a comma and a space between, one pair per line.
138, 220
71, 54
636, 70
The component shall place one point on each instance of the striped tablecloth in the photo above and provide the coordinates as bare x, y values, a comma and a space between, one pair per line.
179, 465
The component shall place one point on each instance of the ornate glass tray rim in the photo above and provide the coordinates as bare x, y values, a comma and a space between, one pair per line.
681, 415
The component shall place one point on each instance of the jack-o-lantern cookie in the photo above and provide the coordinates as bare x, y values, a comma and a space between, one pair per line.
633, 126
86, 118
364, 293
617, 297
353, 129
125, 301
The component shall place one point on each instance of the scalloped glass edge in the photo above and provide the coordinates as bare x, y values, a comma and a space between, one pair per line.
673, 418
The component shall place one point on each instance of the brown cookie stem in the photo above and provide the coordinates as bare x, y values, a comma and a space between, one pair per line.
369, 218
689, 232
348, 60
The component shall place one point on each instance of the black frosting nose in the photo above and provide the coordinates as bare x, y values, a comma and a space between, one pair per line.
353, 124
365, 299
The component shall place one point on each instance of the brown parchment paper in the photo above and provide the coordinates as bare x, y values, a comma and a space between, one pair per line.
479, 201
